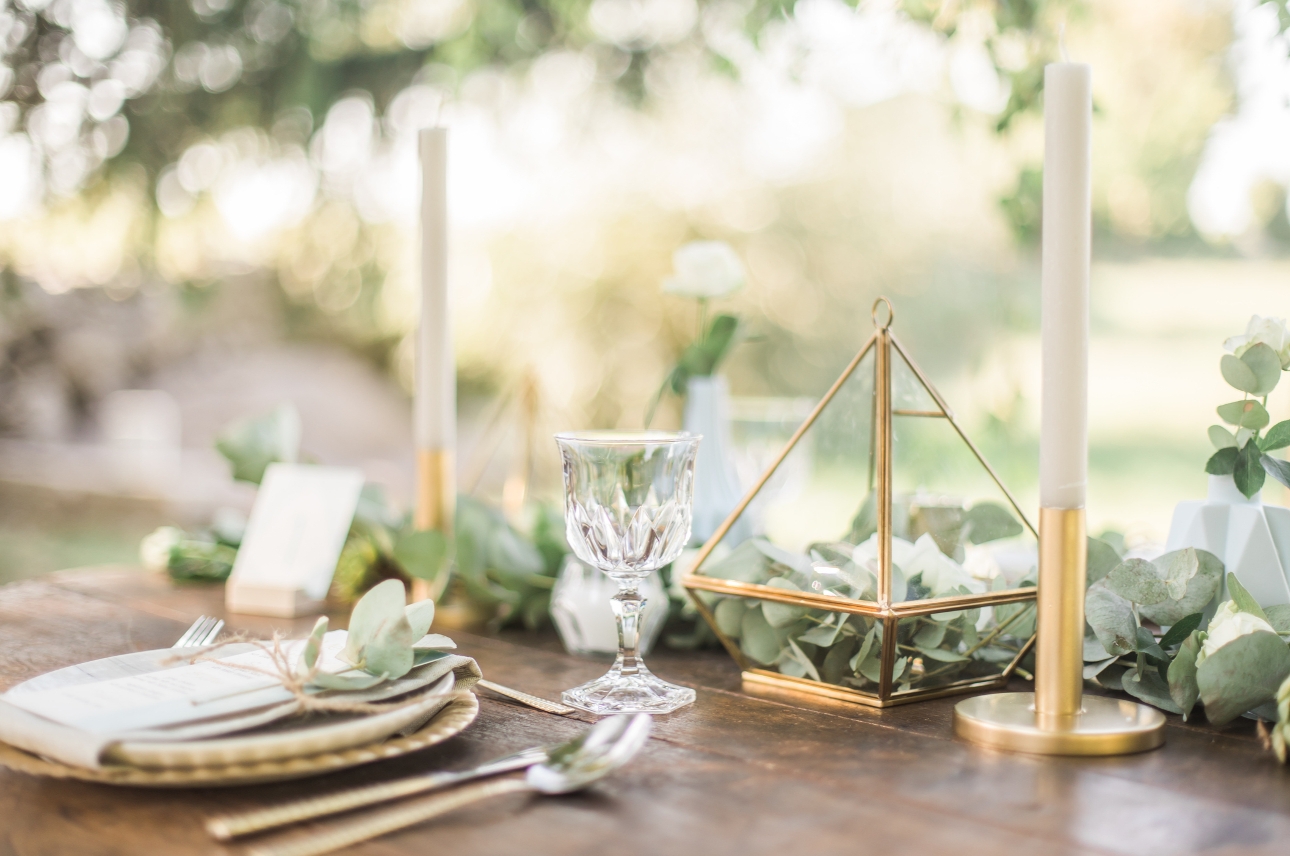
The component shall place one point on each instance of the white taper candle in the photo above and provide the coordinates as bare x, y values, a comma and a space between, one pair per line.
1067, 223
435, 417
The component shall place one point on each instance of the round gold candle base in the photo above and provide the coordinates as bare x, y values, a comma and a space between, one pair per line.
1106, 726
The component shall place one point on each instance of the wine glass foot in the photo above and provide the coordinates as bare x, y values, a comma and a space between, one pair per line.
638, 693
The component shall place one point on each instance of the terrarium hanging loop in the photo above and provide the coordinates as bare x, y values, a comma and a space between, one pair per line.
891, 314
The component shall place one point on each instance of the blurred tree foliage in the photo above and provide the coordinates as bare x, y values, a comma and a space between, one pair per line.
136, 83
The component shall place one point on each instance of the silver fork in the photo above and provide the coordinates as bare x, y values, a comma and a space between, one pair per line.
202, 632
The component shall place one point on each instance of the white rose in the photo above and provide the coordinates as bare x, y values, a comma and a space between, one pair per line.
1229, 623
154, 550
1268, 331
940, 573
705, 269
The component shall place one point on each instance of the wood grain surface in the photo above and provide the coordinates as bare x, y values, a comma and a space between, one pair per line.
742, 771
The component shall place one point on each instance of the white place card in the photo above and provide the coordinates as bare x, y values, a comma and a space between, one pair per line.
293, 540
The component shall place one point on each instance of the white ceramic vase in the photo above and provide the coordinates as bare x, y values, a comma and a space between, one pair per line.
716, 485
585, 620
1251, 538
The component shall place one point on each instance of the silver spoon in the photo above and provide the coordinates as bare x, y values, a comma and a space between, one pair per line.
572, 766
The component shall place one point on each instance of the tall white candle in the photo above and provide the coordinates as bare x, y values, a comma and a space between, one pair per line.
435, 417
1063, 444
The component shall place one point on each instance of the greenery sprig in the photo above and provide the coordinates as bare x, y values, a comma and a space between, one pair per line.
1146, 639
1254, 368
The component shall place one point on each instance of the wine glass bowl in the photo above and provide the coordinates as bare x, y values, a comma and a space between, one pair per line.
628, 502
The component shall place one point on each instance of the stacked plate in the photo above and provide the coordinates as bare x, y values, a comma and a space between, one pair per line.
269, 745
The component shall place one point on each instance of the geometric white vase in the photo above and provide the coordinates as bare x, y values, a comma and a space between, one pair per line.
716, 484
581, 612
1252, 539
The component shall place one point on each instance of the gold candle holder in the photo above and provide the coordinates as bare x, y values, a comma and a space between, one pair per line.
1056, 719
436, 503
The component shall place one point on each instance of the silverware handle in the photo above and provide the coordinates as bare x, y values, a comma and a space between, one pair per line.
229, 826
388, 820
541, 704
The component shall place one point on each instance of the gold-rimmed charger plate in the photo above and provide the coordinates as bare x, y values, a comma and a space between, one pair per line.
453, 719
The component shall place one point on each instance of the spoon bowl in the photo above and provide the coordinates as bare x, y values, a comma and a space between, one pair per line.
608, 745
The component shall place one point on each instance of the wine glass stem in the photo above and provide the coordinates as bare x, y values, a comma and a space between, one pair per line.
628, 606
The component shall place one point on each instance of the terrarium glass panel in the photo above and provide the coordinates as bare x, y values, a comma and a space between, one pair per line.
801, 642
805, 512
796, 585
963, 646
954, 530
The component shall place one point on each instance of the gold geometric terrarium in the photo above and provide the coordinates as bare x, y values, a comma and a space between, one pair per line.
879, 559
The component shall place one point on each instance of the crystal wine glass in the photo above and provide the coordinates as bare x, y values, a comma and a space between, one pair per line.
628, 498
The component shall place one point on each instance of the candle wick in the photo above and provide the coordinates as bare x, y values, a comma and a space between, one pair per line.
1061, 42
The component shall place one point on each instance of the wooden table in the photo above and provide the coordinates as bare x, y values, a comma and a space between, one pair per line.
733, 774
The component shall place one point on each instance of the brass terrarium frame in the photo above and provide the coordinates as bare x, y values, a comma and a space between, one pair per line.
881, 342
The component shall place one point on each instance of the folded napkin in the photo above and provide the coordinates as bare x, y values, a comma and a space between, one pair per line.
82, 748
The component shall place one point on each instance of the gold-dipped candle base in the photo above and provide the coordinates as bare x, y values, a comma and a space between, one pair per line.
1056, 719
436, 505
436, 490
1106, 726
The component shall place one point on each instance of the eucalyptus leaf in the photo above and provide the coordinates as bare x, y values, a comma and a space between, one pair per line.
1193, 577
823, 635
835, 663
312, 647
1092, 670
1278, 437
745, 564
1136, 580
942, 655
789, 665
1221, 437
796, 561
1265, 365
1145, 642
1181, 567
1150, 688
871, 665
1279, 617
989, 521
782, 614
422, 554
807, 665
1110, 678
1277, 468
1183, 688
390, 654
758, 639
1094, 652
930, 635
898, 670
349, 681
1242, 674
1244, 414
1102, 557
252, 444
1239, 374
1244, 601
1111, 618
729, 615
865, 648
380, 638
434, 642
1182, 629
1222, 462
420, 616
1249, 473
